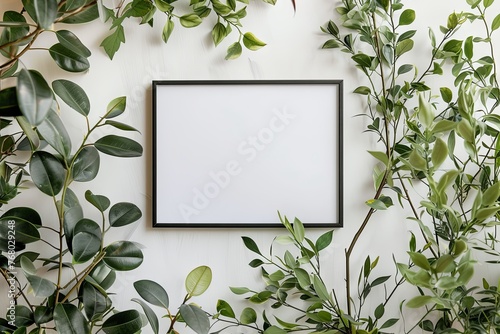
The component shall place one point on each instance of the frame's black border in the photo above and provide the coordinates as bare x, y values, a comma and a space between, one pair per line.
340, 147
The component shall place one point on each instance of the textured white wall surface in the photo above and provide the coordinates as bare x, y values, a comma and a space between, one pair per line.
293, 51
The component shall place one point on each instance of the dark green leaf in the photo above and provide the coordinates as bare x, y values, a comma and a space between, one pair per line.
8, 102
103, 275
446, 94
225, 309
54, 133
123, 322
99, 201
87, 15
72, 42
67, 59
123, 256
73, 95
116, 107
34, 96
85, 246
119, 146
69, 320
195, 318
47, 173
41, 287
46, 12
123, 213
74, 4
152, 292
95, 304
468, 48
150, 314
42, 314
73, 213
362, 60
324, 240
24, 316
121, 126
251, 245
86, 164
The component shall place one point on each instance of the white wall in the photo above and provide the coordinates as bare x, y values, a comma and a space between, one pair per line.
293, 52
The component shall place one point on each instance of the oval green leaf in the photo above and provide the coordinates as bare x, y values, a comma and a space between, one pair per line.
198, 280
119, 146
150, 314
86, 164
54, 133
195, 318
46, 12
73, 95
123, 213
234, 51
69, 320
123, 322
152, 292
67, 59
251, 42
34, 96
47, 173
95, 304
41, 287
116, 107
72, 42
123, 256
190, 20
85, 246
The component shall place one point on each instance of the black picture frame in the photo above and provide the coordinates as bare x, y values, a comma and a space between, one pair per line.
235, 127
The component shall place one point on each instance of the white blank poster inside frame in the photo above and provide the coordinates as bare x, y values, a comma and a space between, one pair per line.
235, 153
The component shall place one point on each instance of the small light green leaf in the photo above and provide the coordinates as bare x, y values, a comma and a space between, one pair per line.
234, 51
416, 161
239, 290
277, 330
190, 20
495, 24
465, 130
363, 90
403, 47
381, 156
303, 278
491, 194
420, 260
248, 316
419, 301
251, 42
407, 17
167, 30
218, 33
443, 126
439, 153
320, 288
152, 292
446, 180
198, 280
425, 111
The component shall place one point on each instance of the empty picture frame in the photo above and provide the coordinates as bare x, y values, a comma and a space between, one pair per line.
235, 153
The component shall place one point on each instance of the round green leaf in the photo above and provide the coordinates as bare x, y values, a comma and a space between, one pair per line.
69, 320
225, 309
86, 164
85, 246
54, 133
47, 173
103, 275
251, 42
42, 314
407, 17
99, 201
33, 95
72, 42
119, 146
24, 316
198, 280
67, 59
123, 213
23, 214
73, 95
152, 292
25, 232
123, 256
248, 316
195, 318
123, 322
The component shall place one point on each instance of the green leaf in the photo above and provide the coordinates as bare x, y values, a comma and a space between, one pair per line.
123, 213
376, 204
195, 318
225, 309
74, 4
468, 48
89, 14
116, 107
9, 105
248, 316
234, 51
495, 24
491, 194
486, 213
69, 320
150, 314
42, 315
47, 173
27, 265
444, 263
73, 95
466, 131
41, 287
34, 96
86, 164
439, 153
103, 275
123, 256
69, 40
251, 42
302, 277
163, 5
46, 12
420, 260
123, 322
112, 43
298, 230
67, 59
447, 179
119, 146
190, 20
362, 60
54, 133
419, 301
218, 33
324, 240
85, 246
277, 330
239, 290
198, 280
320, 288
25, 227
403, 47
167, 30
24, 316
443, 126
99, 201
407, 17
330, 44
121, 126
425, 111
30, 133
251, 245
152, 292
363, 90
73, 213
381, 156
